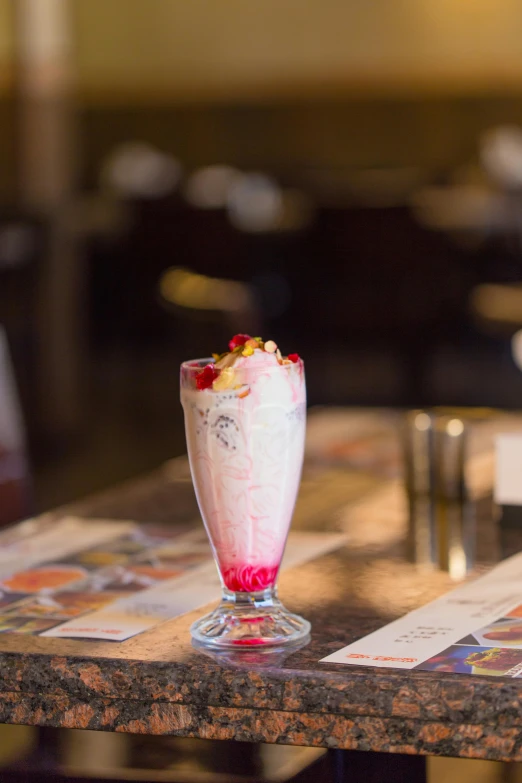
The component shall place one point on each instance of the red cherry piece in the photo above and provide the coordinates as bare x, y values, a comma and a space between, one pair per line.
206, 377
237, 340
294, 357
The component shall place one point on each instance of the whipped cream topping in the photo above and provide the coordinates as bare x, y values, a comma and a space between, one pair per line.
245, 353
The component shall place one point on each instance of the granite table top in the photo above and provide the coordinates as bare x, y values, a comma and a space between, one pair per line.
158, 683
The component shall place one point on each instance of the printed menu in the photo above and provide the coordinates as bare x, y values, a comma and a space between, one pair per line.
101, 579
475, 629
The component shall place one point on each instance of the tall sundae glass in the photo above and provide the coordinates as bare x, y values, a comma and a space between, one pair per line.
245, 418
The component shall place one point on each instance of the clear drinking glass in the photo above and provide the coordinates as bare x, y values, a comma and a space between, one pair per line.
245, 439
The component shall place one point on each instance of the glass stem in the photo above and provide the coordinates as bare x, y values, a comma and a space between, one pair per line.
257, 600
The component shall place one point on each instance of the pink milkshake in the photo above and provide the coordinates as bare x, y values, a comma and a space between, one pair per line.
245, 420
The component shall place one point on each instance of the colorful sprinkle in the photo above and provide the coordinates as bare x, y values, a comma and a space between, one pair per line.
225, 380
238, 340
206, 377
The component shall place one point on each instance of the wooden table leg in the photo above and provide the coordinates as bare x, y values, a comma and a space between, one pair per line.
354, 766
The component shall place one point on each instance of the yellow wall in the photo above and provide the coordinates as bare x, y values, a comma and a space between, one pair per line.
6, 44
229, 48
250, 47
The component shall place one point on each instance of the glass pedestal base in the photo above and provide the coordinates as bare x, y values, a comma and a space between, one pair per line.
247, 620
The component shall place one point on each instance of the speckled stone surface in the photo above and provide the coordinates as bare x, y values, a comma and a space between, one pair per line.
157, 683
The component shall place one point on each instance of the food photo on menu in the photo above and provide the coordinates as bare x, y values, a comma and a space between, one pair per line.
506, 632
464, 659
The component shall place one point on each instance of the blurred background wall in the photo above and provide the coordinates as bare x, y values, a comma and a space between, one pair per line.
432, 74
7, 169
355, 168
234, 80
174, 49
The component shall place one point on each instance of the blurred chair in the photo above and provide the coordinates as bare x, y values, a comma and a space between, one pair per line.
227, 306
23, 248
383, 285
15, 495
